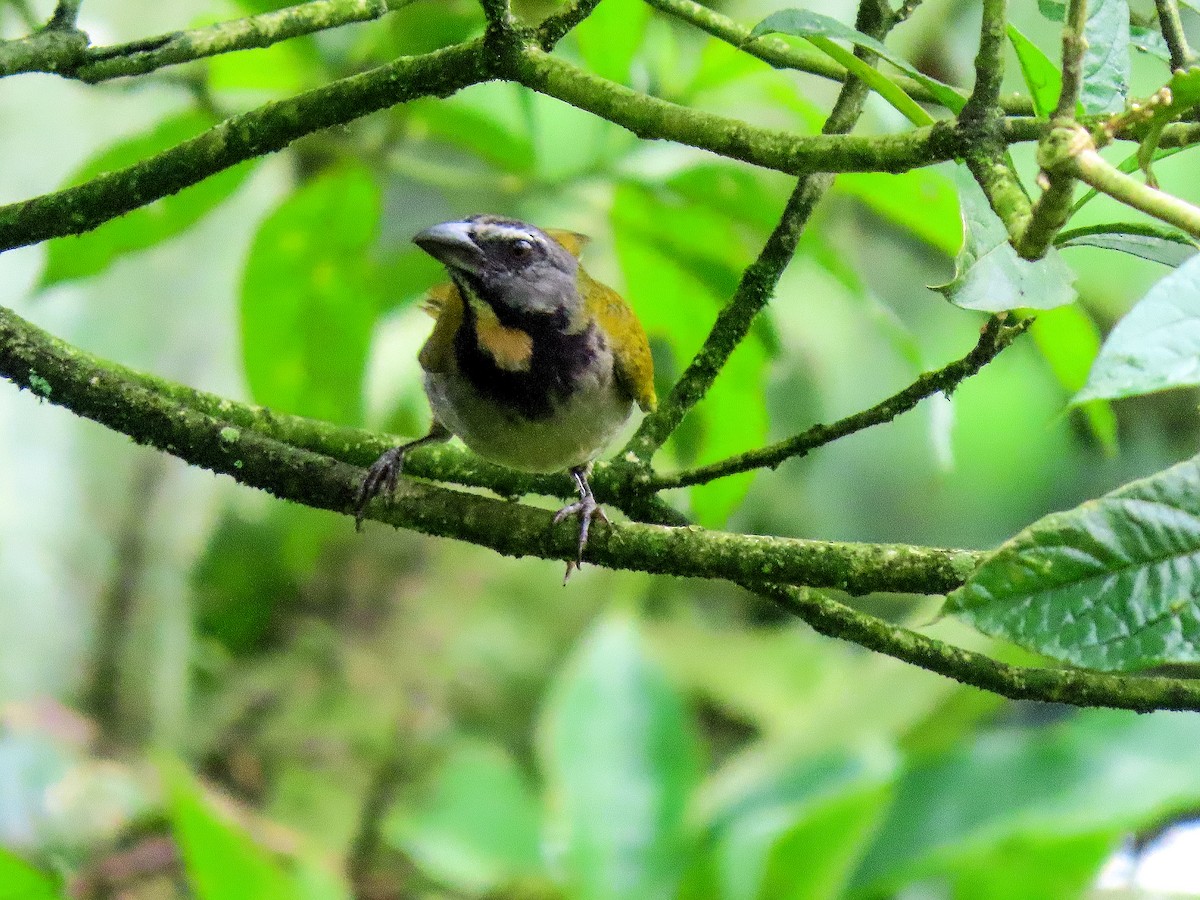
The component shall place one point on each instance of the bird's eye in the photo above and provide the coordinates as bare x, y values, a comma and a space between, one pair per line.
522, 247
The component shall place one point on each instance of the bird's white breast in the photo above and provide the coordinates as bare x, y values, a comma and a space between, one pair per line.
574, 434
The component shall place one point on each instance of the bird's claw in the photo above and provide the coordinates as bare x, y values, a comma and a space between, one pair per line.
380, 478
587, 509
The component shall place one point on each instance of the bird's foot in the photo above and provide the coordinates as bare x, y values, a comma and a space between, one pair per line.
382, 475
380, 478
587, 509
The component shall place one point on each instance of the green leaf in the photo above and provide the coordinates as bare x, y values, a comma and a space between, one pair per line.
808, 24
735, 418
310, 295
1106, 59
1101, 773
797, 832
221, 860
1069, 340
988, 274
1109, 585
922, 202
1041, 74
80, 256
610, 37
488, 122
733, 191
1148, 240
679, 261
1054, 10
477, 828
1156, 345
1149, 40
1044, 866
21, 881
621, 761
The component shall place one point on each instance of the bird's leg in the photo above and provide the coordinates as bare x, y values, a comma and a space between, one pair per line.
586, 508
384, 471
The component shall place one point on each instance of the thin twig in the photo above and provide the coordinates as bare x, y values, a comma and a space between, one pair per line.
1090, 167
74, 59
66, 13
498, 13
984, 101
780, 54
554, 27
1074, 686
758, 281
993, 339
1053, 208
988, 159
25, 13
1171, 26
1074, 46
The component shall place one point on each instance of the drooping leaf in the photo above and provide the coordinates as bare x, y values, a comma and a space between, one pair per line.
1041, 74
808, 24
310, 295
922, 202
21, 881
610, 37
221, 860
621, 761
1112, 584
1069, 340
1100, 774
479, 826
79, 256
1157, 243
988, 274
1106, 60
1156, 345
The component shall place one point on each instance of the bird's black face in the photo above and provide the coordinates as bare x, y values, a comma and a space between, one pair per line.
512, 266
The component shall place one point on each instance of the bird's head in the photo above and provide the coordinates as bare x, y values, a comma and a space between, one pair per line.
518, 270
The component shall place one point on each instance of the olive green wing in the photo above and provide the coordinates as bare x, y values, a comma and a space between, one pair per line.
631, 350
445, 304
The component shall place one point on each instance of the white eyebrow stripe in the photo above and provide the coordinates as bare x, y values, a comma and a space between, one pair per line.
508, 232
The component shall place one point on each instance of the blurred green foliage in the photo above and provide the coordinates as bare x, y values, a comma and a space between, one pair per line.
390, 716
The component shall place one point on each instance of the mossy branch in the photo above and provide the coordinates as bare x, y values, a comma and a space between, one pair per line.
151, 412
319, 465
1171, 25
264, 130
60, 49
61, 374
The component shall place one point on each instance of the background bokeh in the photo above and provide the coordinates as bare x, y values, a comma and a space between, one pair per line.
405, 717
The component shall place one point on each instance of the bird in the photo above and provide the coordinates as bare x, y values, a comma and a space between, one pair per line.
532, 363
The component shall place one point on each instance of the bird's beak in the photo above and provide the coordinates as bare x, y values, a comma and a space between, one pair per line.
450, 244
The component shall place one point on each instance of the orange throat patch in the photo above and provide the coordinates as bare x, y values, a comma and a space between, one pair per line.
511, 348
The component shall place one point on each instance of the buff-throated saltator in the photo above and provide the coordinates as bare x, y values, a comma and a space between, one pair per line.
532, 362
